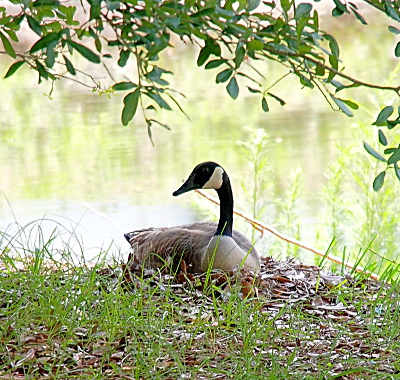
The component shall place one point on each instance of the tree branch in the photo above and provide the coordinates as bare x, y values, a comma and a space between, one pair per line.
331, 69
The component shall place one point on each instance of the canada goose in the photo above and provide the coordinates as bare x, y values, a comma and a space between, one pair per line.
199, 244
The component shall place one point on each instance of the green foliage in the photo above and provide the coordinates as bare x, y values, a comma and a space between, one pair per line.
232, 36
393, 154
352, 216
288, 220
258, 185
356, 216
130, 105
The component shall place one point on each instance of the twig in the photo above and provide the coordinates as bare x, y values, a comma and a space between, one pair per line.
333, 70
261, 227
103, 215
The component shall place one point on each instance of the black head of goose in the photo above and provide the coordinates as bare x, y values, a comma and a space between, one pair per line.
201, 245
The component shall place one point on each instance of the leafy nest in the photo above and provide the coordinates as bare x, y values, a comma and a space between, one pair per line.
341, 316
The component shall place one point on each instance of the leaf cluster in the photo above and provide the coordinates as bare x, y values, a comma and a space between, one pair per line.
392, 153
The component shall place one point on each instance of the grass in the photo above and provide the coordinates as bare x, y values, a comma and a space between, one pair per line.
95, 321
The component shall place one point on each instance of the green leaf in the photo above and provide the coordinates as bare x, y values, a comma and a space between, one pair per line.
51, 54
224, 75
397, 50
383, 116
233, 88
166, 126
215, 48
389, 150
397, 170
394, 157
11, 33
333, 45
13, 68
303, 9
7, 46
252, 5
341, 6
69, 65
44, 42
379, 180
351, 104
40, 3
241, 29
224, 12
319, 70
281, 101
285, 4
130, 106
391, 12
359, 17
123, 86
253, 90
159, 100
255, 45
159, 45
393, 29
334, 62
43, 73
70, 13
336, 12
240, 53
155, 76
372, 152
203, 12
84, 51
98, 44
382, 138
95, 9
123, 57
304, 80
204, 54
337, 84
215, 63
264, 105
210, 47
342, 105
34, 25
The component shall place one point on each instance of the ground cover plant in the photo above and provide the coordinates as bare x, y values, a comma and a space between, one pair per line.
65, 320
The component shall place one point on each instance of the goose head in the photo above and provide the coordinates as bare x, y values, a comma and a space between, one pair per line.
222, 251
207, 175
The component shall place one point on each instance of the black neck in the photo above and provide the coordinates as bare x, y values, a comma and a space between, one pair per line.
226, 208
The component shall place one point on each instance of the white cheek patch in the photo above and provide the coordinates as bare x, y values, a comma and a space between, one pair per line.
216, 180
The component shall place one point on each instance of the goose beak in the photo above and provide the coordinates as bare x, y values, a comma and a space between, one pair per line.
187, 186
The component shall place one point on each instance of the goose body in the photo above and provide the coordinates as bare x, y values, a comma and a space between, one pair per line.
201, 245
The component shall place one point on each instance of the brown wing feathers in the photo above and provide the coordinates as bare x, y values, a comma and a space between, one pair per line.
154, 247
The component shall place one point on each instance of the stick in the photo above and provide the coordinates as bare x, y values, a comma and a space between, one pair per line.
263, 227
103, 215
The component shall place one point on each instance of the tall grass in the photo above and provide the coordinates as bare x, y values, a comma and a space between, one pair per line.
364, 224
356, 215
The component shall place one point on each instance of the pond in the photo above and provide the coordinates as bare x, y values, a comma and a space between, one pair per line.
68, 158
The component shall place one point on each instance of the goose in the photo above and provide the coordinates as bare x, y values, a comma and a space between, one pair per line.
202, 245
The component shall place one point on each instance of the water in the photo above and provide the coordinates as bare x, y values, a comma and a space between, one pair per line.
59, 155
